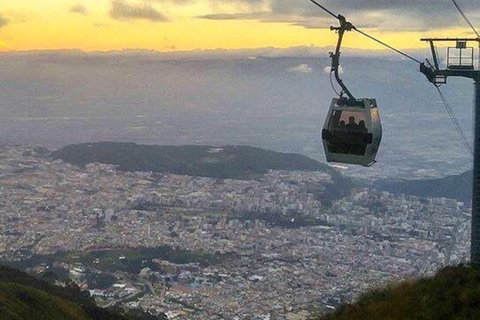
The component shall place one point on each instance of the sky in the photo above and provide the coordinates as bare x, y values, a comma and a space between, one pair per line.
276, 103
184, 25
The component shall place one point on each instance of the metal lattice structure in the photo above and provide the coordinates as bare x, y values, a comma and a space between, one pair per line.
460, 62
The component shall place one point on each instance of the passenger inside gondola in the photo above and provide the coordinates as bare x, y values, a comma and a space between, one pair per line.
361, 127
351, 126
349, 138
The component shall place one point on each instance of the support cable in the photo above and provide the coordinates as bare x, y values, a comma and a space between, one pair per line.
324, 9
386, 45
465, 17
367, 35
454, 120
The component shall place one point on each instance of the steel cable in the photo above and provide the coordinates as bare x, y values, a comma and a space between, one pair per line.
465, 17
454, 120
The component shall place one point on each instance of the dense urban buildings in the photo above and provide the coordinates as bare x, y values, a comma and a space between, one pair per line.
267, 248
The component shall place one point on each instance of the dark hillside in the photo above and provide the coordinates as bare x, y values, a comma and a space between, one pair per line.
452, 294
229, 162
226, 162
454, 187
23, 297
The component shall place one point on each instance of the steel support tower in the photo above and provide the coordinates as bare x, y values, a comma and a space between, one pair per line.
461, 62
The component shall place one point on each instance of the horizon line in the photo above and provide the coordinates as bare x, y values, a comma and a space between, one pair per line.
145, 51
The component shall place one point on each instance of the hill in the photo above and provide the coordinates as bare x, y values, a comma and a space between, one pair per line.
452, 294
229, 162
225, 162
454, 187
23, 297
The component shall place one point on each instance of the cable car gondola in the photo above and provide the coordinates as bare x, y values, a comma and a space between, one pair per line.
352, 131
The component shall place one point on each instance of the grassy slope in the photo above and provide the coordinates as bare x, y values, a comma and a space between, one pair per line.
24, 302
453, 294
24, 297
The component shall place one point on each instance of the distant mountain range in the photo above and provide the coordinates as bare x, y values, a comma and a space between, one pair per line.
454, 187
228, 162
24, 297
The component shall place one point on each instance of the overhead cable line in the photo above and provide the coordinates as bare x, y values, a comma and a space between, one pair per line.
442, 97
465, 17
386, 45
324, 9
454, 120
367, 35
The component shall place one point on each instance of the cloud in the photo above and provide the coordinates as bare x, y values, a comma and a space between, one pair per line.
80, 9
302, 68
235, 16
124, 11
399, 15
3, 21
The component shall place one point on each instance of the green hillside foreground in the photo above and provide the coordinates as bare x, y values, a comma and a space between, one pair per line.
452, 294
23, 302
23, 297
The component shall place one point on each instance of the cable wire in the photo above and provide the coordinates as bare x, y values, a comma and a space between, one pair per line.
465, 18
367, 35
324, 9
454, 120
387, 45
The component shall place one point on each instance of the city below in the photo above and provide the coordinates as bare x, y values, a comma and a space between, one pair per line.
207, 248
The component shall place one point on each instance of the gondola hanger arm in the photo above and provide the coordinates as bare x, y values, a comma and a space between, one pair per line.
344, 26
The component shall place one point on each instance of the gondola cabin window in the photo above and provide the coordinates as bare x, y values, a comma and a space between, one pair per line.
349, 134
